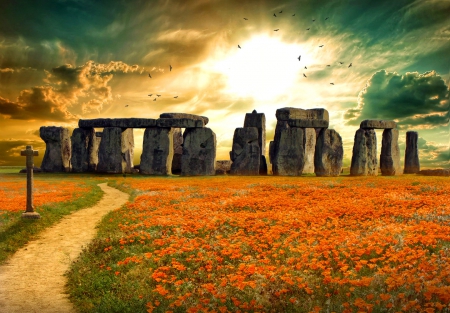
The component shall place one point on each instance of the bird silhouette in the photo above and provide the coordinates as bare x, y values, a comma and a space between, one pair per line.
274, 15
306, 68
350, 65
299, 57
304, 75
126, 105
293, 14
239, 47
245, 18
150, 95
176, 97
170, 66
321, 46
341, 62
326, 19
154, 99
149, 75
308, 28
331, 83
275, 30
313, 20
281, 11
158, 95
328, 65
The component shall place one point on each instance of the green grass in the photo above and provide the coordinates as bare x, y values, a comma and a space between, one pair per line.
10, 169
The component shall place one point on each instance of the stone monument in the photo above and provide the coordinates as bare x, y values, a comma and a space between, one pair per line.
30, 153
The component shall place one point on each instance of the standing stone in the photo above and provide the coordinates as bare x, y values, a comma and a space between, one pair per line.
199, 152
115, 154
245, 152
329, 153
157, 151
57, 149
257, 120
271, 151
412, 165
177, 150
310, 147
364, 158
390, 153
262, 165
84, 150
288, 151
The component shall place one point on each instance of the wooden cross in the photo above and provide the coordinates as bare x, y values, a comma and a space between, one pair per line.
30, 153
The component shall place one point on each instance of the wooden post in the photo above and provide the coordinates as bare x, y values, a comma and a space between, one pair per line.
29, 153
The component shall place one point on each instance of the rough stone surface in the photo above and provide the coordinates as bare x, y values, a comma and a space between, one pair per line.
58, 149
364, 157
84, 150
263, 165
118, 122
412, 164
285, 114
378, 124
257, 120
310, 148
223, 167
245, 152
288, 151
179, 122
115, 154
436, 172
177, 150
329, 153
199, 152
185, 115
157, 151
308, 123
390, 153
271, 151
35, 170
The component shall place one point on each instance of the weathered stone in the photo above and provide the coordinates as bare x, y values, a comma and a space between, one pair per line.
179, 122
378, 124
288, 151
436, 172
329, 153
285, 114
199, 152
177, 150
157, 151
390, 153
223, 167
257, 120
262, 165
245, 152
364, 158
310, 148
35, 170
307, 123
185, 115
117, 122
57, 151
271, 151
412, 164
115, 154
84, 150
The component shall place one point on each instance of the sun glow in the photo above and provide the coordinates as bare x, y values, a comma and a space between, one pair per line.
263, 68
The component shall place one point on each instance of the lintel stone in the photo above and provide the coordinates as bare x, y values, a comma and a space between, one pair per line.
377, 124
185, 115
284, 114
179, 123
306, 123
118, 122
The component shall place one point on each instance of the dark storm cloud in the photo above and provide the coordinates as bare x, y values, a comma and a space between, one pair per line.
413, 98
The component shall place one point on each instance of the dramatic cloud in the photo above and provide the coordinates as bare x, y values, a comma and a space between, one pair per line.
412, 99
433, 155
10, 151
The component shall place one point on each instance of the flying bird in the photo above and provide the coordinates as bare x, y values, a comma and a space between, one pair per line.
154, 99
299, 57
149, 75
150, 95
158, 95
245, 18
281, 11
350, 65
313, 20
304, 75
126, 105
328, 65
308, 28
321, 46
306, 68
176, 97
326, 19
293, 14
239, 46
331, 83
274, 15
275, 30
170, 66
341, 62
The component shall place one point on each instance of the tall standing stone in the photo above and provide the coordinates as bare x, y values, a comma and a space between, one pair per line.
115, 154
257, 120
177, 150
245, 152
390, 153
57, 149
329, 153
84, 150
288, 151
364, 158
310, 147
412, 164
199, 152
157, 151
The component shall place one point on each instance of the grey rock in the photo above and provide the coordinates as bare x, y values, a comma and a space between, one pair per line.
84, 150
257, 120
412, 164
310, 148
35, 170
364, 157
57, 149
177, 150
285, 114
288, 157
390, 153
245, 152
199, 152
117, 122
263, 165
377, 124
179, 122
223, 167
115, 154
271, 151
329, 153
185, 115
157, 151
307, 123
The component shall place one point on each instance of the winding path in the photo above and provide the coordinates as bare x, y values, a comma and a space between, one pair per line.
33, 279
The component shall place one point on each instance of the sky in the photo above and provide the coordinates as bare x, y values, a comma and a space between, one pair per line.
65, 60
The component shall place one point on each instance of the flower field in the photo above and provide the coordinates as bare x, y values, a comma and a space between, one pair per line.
272, 244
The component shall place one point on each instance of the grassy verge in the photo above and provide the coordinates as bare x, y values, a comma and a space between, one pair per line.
15, 232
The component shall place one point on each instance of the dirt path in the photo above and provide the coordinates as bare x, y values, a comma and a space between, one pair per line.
32, 280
